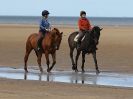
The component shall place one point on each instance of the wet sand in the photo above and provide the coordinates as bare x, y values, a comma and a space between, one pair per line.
20, 89
114, 55
107, 79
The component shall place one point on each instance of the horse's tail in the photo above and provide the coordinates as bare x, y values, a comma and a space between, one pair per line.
69, 40
28, 40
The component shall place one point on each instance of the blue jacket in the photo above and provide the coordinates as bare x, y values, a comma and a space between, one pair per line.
44, 24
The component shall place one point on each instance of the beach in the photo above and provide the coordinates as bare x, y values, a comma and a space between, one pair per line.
20, 89
114, 50
114, 54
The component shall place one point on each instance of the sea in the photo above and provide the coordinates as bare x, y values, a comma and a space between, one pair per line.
68, 21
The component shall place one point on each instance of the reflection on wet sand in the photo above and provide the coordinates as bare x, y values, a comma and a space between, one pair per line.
40, 76
77, 78
104, 78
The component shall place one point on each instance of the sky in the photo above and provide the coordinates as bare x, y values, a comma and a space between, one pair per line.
94, 8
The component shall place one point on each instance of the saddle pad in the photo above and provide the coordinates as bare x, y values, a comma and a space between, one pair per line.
76, 38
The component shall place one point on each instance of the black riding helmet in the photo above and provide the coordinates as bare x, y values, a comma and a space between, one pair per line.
45, 12
82, 12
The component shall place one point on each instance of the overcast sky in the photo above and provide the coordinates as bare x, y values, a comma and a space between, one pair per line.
95, 8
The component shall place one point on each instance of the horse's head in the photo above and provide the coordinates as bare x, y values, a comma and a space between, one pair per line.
58, 37
95, 34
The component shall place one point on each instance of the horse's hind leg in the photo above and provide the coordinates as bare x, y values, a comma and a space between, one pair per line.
71, 56
54, 61
28, 50
39, 56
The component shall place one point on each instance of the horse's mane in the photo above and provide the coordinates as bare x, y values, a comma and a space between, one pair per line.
56, 30
95, 28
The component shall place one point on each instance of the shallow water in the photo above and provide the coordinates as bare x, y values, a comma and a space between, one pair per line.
104, 78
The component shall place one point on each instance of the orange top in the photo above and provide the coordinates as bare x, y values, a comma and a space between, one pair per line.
84, 24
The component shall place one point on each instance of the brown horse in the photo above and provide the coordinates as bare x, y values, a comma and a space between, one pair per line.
50, 44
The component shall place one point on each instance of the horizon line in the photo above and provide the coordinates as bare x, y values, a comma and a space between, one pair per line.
66, 16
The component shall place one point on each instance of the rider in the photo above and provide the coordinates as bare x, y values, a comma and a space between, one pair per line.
44, 28
84, 26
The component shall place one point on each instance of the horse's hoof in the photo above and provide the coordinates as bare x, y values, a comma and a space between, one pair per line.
41, 70
97, 72
83, 71
26, 71
48, 70
73, 68
76, 70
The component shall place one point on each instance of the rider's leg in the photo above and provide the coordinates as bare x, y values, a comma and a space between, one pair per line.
39, 41
41, 36
81, 35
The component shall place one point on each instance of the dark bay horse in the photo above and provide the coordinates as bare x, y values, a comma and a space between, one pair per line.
50, 44
88, 45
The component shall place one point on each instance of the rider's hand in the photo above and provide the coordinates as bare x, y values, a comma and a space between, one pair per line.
49, 29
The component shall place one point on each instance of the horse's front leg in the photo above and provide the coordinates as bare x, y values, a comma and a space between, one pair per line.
95, 60
76, 60
83, 61
47, 60
39, 56
54, 60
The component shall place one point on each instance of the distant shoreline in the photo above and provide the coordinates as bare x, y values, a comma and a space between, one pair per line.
67, 21
61, 26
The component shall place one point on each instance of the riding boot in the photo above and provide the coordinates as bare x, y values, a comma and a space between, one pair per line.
39, 42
